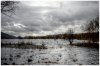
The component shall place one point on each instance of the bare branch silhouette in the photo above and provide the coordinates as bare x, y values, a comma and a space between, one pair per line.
8, 7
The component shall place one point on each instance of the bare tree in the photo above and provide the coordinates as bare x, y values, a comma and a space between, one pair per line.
70, 35
8, 7
93, 25
96, 24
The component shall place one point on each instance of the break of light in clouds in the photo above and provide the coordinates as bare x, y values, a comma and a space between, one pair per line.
38, 18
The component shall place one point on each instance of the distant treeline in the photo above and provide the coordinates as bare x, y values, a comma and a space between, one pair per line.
81, 36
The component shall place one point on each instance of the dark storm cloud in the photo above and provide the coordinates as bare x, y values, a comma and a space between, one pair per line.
49, 19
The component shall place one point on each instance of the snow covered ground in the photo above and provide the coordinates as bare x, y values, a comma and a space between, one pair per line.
58, 52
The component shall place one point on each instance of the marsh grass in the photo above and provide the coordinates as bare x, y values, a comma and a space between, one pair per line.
23, 45
92, 45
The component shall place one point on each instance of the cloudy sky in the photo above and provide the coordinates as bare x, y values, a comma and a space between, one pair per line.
49, 17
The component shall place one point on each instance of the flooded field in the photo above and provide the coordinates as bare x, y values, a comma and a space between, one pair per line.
58, 52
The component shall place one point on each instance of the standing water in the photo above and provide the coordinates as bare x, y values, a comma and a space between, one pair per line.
58, 52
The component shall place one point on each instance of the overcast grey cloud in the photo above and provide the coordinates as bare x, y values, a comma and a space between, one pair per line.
49, 17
